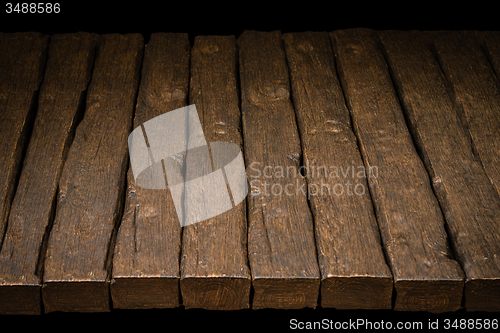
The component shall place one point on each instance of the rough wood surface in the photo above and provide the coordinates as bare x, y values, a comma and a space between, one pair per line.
426, 277
468, 199
491, 47
146, 260
343, 99
354, 274
90, 197
281, 245
60, 107
22, 61
214, 269
475, 90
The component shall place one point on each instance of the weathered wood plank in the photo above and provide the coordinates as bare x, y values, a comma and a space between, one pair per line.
426, 277
214, 270
476, 92
354, 273
60, 107
281, 246
491, 46
468, 199
22, 61
90, 197
146, 260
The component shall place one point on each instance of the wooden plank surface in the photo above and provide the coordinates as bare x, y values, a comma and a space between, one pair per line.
214, 269
476, 92
60, 107
426, 277
354, 273
90, 197
146, 260
468, 199
281, 247
491, 47
427, 222
22, 61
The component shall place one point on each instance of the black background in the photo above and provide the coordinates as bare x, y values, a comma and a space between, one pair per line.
147, 17
232, 18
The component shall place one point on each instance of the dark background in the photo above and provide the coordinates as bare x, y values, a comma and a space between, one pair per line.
232, 18
147, 17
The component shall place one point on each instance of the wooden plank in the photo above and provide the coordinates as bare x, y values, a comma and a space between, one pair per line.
354, 273
146, 259
426, 277
468, 200
22, 61
60, 107
214, 270
281, 246
89, 205
491, 47
475, 90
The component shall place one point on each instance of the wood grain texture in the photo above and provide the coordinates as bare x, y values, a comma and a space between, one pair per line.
214, 269
90, 197
426, 277
476, 93
60, 107
467, 198
490, 42
22, 61
281, 247
146, 260
354, 273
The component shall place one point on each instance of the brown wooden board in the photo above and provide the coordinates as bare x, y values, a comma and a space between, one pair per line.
146, 260
90, 197
468, 199
60, 107
490, 42
22, 61
476, 92
281, 247
354, 273
426, 277
214, 269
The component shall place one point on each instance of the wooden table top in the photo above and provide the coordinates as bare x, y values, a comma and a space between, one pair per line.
372, 159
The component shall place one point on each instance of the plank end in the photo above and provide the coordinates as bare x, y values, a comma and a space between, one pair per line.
145, 293
430, 296
76, 296
20, 300
216, 293
352, 293
285, 293
482, 295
